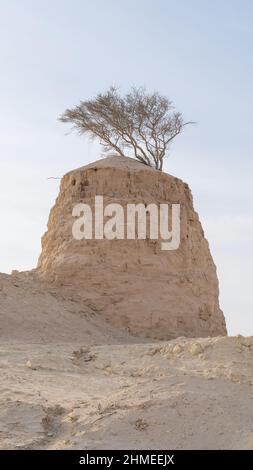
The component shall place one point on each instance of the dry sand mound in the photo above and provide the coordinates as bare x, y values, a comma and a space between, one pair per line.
32, 310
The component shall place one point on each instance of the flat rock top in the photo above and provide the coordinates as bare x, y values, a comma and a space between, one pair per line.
120, 163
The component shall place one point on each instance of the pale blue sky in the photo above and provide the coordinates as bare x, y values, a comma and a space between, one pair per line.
197, 52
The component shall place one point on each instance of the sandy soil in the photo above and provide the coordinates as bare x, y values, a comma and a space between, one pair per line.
70, 381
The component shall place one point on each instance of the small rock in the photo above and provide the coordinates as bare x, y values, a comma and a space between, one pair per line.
234, 377
29, 365
166, 350
246, 341
195, 349
177, 349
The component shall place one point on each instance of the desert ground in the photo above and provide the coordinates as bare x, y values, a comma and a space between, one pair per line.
69, 380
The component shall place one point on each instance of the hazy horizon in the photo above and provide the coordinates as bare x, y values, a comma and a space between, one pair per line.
198, 53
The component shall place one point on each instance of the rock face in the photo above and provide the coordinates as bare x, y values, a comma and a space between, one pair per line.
133, 283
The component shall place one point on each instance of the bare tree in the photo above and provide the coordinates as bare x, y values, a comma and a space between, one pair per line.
138, 124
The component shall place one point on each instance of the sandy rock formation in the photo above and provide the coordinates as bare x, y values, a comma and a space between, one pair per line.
133, 283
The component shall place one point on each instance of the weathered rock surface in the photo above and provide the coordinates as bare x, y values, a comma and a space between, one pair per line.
156, 395
133, 283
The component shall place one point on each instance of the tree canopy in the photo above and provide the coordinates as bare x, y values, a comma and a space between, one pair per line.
138, 124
